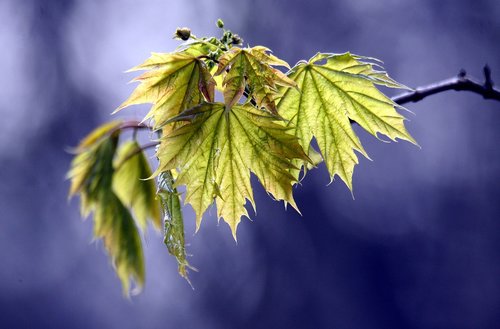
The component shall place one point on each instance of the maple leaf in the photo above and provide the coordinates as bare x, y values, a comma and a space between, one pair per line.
131, 185
114, 224
252, 67
174, 82
216, 150
174, 223
91, 175
199, 47
84, 161
342, 88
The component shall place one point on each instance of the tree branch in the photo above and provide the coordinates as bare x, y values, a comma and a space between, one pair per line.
459, 83
133, 124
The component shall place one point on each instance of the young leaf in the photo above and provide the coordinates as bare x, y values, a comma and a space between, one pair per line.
174, 82
252, 67
174, 223
91, 176
131, 185
199, 47
331, 94
115, 225
91, 172
84, 161
97, 134
216, 150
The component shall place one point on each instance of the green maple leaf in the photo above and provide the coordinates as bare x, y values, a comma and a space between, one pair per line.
216, 150
199, 47
174, 223
91, 176
330, 94
83, 164
114, 224
91, 173
252, 67
174, 82
132, 186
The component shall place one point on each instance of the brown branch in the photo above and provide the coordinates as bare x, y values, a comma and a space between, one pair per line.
133, 124
459, 83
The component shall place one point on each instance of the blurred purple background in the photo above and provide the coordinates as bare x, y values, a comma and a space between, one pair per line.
419, 247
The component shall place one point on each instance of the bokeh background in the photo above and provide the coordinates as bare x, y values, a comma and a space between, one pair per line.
418, 247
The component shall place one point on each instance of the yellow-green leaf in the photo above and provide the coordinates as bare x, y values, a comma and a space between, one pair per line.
91, 175
132, 186
198, 47
251, 67
219, 79
97, 134
330, 94
114, 224
218, 148
91, 172
174, 82
85, 158
174, 222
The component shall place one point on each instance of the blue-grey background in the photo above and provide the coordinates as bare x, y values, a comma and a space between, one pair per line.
419, 247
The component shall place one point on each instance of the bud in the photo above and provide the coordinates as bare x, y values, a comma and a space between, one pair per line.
236, 40
182, 33
226, 37
213, 41
220, 23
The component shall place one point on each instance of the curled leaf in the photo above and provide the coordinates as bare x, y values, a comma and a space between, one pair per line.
252, 68
174, 222
132, 186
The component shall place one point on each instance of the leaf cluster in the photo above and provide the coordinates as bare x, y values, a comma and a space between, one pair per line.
111, 185
265, 124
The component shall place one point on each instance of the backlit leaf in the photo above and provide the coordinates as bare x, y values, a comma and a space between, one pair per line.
174, 82
199, 47
219, 147
97, 134
252, 67
114, 224
91, 175
332, 93
85, 159
131, 185
173, 221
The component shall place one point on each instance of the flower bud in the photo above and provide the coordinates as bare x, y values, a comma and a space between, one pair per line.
220, 23
236, 40
182, 33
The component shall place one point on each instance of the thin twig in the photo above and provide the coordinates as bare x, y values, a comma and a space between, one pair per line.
133, 124
459, 83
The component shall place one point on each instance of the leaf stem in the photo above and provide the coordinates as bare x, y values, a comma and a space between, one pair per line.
133, 124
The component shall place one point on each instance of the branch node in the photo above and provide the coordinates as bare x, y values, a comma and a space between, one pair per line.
488, 83
417, 95
459, 83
